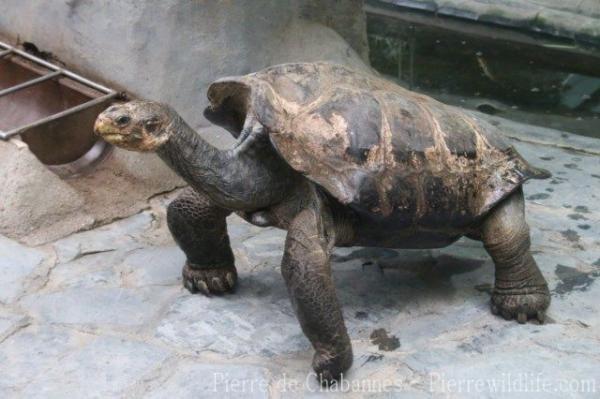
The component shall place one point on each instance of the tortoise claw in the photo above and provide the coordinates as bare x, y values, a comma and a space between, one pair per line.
218, 284
209, 281
190, 286
230, 280
522, 318
202, 287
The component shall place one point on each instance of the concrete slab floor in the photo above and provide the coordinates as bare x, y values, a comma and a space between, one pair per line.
102, 313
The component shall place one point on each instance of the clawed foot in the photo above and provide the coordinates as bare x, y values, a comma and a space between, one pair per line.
521, 304
329, 366
209, 281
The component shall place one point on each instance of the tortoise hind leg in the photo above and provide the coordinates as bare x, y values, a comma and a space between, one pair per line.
200, 230
520, 290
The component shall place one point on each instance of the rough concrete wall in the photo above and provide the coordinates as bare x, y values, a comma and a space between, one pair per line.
346, 17
166, 50
37, 206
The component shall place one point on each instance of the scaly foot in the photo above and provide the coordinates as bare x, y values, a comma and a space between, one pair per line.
521, 303
209, 281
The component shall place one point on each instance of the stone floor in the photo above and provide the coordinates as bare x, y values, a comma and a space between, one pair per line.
102, 313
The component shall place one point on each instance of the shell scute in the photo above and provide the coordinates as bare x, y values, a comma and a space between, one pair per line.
408, 128
356, 116
296, 84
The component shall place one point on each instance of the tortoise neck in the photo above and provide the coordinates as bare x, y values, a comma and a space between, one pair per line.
232, 179
199, 163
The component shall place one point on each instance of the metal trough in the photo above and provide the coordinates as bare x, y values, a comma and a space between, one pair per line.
52, 109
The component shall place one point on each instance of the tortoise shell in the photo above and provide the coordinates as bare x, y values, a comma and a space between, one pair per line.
373, 145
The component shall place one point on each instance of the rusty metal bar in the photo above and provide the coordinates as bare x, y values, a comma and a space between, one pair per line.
31, 82
56, 71
53, 67
81, 107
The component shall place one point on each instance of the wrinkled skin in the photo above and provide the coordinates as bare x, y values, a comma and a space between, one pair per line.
342, 197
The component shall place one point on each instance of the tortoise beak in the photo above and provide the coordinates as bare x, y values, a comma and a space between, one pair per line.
104, 128
101, 125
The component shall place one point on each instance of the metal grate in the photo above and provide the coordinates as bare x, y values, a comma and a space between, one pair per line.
55, 73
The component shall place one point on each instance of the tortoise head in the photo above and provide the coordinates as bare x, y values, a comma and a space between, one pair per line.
137, 125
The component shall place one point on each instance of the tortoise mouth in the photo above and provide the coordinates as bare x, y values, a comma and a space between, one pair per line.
108, 132
125, 141
113, 136
118, 139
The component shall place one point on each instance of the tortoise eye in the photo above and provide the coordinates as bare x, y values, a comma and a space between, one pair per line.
123, 120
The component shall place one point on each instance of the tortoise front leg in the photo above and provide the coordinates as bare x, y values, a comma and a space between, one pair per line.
305, 268
200, 230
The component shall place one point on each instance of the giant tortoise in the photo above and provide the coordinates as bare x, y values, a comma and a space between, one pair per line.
338, 158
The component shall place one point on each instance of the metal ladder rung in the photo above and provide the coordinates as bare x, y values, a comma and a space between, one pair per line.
51, 118
31, 82
53, 67
55, 70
